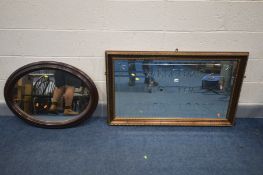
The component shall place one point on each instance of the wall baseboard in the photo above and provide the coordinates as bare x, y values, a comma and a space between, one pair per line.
243, 111
249, 111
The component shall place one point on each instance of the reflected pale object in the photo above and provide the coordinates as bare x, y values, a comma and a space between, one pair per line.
51, 95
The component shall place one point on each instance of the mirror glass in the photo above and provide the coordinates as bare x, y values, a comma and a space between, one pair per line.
51, 95
173, 88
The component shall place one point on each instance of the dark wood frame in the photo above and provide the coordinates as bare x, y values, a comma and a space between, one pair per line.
14, 77
241, 58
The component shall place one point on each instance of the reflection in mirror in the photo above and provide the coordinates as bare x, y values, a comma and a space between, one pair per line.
173, 88
51, 95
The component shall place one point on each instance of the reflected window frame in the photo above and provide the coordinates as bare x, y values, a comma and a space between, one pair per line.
111, 56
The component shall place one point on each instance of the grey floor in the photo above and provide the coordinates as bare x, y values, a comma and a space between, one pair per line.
94, 148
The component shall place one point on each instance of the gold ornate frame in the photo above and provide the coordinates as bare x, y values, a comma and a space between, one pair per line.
241, 58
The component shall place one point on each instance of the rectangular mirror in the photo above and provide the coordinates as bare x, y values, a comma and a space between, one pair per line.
174, 88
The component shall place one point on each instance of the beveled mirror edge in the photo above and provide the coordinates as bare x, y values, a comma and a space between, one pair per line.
111, 55
16, 75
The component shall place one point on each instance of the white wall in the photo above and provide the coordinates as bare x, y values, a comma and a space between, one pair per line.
78, 32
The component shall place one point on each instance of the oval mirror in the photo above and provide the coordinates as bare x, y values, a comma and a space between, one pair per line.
51, 94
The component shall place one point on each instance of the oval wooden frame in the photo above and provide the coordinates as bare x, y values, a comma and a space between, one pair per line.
111, 56
15, 76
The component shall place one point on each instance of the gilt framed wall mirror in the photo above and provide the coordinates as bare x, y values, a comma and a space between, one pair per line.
174, 88
51, 94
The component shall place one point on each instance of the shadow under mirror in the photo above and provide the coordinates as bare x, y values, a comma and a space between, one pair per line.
51, 95
173, 88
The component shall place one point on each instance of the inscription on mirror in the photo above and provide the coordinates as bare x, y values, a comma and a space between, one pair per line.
173, 89
51, 95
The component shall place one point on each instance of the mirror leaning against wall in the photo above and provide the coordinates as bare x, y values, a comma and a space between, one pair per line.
51, 94
174, 88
